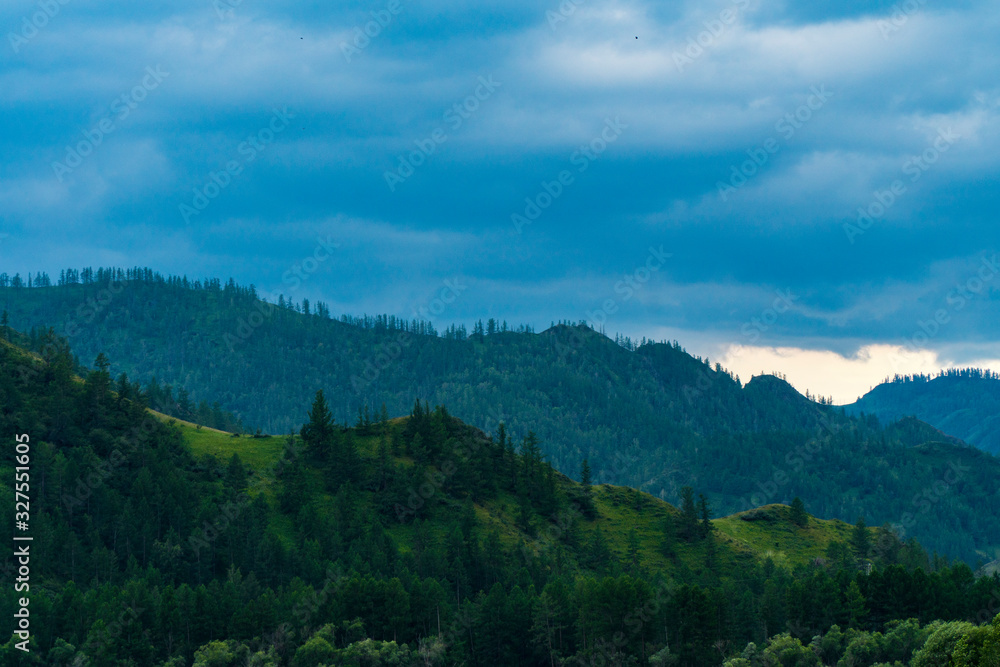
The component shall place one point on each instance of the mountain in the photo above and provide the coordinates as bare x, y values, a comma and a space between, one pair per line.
415, 540
649, 416
964, 403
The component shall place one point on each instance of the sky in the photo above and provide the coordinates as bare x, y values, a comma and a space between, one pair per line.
808, 188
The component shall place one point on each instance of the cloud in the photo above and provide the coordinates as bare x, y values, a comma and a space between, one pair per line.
893, 90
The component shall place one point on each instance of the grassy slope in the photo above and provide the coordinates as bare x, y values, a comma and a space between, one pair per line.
620, 509
782, 540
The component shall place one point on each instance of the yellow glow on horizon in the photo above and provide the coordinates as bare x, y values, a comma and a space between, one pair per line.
827, 373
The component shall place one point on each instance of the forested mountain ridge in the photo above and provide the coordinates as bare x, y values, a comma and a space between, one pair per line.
421, 541
962, 402
649, 416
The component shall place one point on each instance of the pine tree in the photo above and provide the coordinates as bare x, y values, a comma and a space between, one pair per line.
318, 433
383, 418
689, 515
345, 463
236, 476
384, 466
710, 553
668, 539
798, 514
861, 540
294, 491
705, 528
598, 552
531, 455
524, 513
633, 552
855, 605
587, 492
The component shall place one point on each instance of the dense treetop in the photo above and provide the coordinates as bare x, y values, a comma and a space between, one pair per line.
423, 541
644, 414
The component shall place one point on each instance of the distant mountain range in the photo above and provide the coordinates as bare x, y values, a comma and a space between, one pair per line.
419, 541
962, 403
647, 415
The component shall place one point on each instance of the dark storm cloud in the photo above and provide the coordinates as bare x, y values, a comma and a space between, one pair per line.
750, 133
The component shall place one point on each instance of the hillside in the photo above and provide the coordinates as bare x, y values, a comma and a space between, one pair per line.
421, 539
649, 416
963, 403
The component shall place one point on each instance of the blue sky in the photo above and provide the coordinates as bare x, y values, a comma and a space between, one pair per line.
739, 137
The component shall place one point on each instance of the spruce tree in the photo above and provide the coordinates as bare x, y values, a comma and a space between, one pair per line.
236, 476
689, 515
798, 514
633, 553
598, 552
705, 528
668, 539
710, 553
854, 604
318, 433
383, 418
524, 512
345, 464
587, 493
861, 540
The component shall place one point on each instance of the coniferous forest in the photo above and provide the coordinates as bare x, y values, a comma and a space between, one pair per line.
963, 402
424, 333
581, 333
420, 540
644, 414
